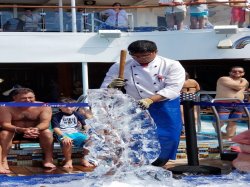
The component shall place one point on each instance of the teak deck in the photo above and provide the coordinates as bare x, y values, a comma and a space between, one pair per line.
35, 170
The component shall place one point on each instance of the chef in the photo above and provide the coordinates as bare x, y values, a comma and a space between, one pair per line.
155, 82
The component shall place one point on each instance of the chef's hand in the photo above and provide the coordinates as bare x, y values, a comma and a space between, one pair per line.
117, 83
145, 103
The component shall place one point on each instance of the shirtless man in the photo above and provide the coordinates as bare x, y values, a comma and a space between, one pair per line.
232, 86
26, 122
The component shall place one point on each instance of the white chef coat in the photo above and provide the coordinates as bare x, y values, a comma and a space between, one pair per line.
162, 76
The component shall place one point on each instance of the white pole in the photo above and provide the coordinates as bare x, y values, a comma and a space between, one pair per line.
85, 79
15, 12
92, 22
60, 3
73, 12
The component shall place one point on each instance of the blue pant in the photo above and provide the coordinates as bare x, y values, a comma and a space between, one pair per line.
167, 117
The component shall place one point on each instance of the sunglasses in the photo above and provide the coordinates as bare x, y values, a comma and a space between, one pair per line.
237, 71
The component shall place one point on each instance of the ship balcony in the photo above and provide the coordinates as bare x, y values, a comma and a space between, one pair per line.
81, 19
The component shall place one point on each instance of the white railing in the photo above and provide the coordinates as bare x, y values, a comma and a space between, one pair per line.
219, 13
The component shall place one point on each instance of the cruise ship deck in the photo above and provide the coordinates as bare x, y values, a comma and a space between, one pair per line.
27, 160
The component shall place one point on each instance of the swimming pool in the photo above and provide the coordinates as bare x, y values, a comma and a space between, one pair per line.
78, 180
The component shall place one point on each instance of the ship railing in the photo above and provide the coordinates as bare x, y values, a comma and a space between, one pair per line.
90, 23
208, 96
224, 154
59, 18
217, 121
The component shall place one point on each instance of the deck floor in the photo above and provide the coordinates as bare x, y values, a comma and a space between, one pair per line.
35, 170
223, 164
212, 160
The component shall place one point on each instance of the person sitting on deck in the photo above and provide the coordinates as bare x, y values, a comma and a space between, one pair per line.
66, 129
26, 122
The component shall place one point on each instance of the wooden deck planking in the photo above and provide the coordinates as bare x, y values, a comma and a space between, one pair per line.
19, 171
42, 170
84, 169
30, 170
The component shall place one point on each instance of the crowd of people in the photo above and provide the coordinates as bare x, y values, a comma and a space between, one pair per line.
176, 11
156, 82
117, 17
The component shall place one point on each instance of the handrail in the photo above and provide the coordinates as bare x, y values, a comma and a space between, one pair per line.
205, 92
218, 126
124, 7
92, 24
207, 3
198, 98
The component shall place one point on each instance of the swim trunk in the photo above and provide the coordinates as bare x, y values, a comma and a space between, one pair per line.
78, 138
229, 112
198, 15
238, 14
20, 137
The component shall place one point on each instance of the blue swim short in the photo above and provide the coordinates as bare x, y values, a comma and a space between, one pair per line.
229, 112
78, 138
199, 15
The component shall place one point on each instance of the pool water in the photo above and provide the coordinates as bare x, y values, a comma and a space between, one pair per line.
78, 180
208, 131
207, 127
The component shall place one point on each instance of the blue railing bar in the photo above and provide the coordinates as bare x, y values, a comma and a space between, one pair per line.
30, 104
